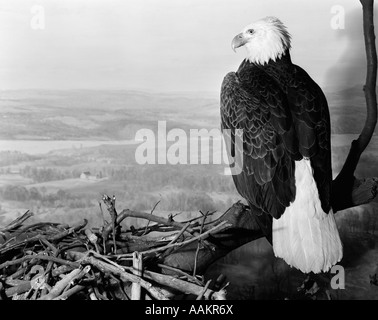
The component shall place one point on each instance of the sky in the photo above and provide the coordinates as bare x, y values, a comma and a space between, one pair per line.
167, 45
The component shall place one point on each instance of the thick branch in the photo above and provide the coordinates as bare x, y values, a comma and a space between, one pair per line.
244, 229
343, 185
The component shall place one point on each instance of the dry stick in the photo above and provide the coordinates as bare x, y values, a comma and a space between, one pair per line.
49, 244
17, 222
136, 289
60, 285
223, 225
47, 273
176, 237
152, 211
103, 226
39, 237
21, 288
110, 203
197, 218
180, 272
39, 225
124, 276
114, 222
92, 238
76, 274
71, 230
99, 295
15, 282
92, 294
200, 296
41, 257
143, 215
165, 280
184, 286
65, 295
6, 243
102, 214
198, 245
61, 270
98, 255
22, 269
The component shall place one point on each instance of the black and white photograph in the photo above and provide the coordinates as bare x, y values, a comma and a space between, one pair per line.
209, 151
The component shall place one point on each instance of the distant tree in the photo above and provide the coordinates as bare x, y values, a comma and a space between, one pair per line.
34, 194
61, 194
43, 190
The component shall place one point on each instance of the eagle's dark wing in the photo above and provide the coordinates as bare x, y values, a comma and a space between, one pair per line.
252, 101
312, 123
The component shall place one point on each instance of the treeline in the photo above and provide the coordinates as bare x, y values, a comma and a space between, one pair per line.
60, 198
8, 158
156, 177
39, 175
146, 178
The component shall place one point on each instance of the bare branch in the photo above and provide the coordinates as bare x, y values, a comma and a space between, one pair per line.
343, 185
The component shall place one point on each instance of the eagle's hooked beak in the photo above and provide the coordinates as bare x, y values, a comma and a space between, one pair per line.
238, 41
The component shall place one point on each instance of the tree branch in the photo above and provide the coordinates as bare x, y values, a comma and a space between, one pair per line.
343, 185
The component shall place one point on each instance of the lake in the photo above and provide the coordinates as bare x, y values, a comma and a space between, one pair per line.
45, 146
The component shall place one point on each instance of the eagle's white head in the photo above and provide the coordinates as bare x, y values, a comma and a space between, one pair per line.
264, 39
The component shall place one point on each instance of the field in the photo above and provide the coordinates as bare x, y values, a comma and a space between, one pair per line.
51, 138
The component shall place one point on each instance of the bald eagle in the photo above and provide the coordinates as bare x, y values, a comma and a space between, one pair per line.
286, 174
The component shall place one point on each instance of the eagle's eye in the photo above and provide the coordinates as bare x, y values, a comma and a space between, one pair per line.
250, 31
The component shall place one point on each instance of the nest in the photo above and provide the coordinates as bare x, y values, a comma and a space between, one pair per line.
53, 261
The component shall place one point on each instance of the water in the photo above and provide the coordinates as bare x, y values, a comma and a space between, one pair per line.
44, 146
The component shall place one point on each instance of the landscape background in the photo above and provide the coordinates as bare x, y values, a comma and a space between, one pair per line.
62, 150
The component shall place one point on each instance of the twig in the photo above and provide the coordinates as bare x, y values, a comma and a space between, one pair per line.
61, 270
223, 225
59, 287
110, 202
198, 218
184, 286
17, 222
39, 237
92, 238
21, 288
198, 245
152, 211
176, 237
104, 222
70, 292
180, 272
136, 289
125, 276
143, 215
38, 256
200, 296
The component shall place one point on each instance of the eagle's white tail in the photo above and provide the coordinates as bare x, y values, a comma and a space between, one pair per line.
305, 236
